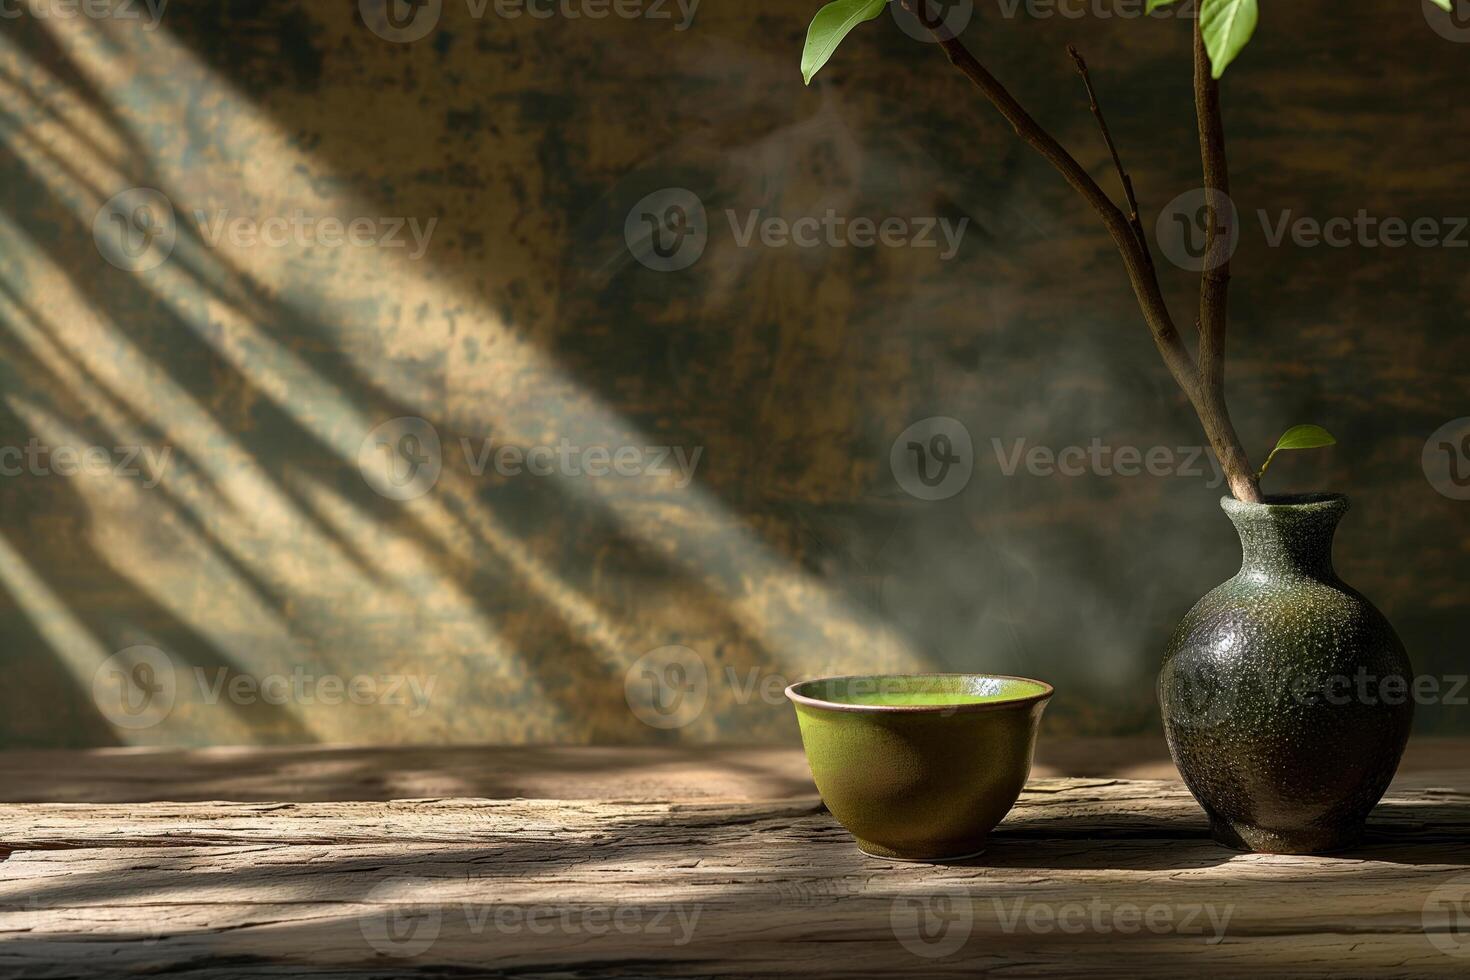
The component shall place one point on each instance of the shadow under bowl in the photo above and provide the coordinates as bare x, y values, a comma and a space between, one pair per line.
920, 767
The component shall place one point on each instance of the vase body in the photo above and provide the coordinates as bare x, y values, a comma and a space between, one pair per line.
1286, 696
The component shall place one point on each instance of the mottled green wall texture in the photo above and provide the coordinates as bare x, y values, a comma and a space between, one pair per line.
450, 371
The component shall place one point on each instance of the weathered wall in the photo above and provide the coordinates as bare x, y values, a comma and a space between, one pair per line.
262, 546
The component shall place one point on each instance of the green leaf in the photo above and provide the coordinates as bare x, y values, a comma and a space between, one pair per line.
1156, 4
1447, 5
1305, 437
833, 23
1299, 437
1226, 25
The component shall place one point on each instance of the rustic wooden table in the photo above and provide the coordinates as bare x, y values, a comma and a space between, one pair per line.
685, 862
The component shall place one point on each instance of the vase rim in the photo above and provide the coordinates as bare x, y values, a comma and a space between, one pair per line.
1296, 503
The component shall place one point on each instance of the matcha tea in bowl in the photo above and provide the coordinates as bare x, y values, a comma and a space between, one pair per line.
919, 767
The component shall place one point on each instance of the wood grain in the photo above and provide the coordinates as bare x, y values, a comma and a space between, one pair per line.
326, 773
1099, 876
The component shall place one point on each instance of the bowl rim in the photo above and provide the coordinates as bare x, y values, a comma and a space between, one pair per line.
943, 709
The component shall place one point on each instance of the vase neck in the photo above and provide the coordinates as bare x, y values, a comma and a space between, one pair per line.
1287, 535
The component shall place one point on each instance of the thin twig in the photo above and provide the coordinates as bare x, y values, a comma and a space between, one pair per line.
1137, 262
1205, 398
1102, 124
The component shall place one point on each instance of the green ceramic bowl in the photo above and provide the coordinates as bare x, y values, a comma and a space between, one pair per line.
919, 767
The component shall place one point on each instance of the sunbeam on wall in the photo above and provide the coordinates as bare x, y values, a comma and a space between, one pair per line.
267, 570
346, 395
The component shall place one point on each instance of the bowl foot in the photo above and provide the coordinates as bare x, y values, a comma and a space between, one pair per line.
948, 855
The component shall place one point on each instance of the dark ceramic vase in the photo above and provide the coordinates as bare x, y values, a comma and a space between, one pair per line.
1286, 695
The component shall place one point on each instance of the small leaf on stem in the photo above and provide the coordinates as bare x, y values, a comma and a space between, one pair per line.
1299, 437
831, 24
1226, 26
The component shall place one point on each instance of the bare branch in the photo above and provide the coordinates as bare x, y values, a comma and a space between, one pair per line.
1214, 289
1102, 124
1136, 260
1214, 283
1204, 389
